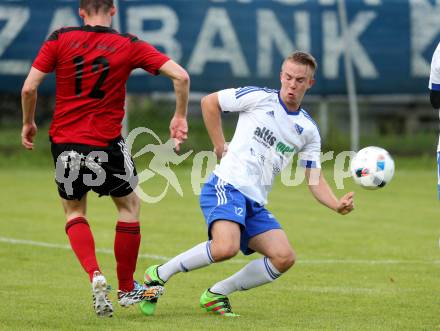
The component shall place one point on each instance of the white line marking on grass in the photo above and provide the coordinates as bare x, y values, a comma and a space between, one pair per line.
369, 262
67, 247
165, 258
344, 290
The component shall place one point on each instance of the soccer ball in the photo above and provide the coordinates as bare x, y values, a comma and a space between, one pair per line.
372, 167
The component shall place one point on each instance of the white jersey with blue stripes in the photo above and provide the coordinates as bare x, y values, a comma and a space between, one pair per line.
265, 140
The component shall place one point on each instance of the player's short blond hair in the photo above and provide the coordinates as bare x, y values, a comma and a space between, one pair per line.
303, 58
95, 6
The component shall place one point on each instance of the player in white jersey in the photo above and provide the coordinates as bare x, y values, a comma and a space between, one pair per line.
266, 138
271, 128
434, 86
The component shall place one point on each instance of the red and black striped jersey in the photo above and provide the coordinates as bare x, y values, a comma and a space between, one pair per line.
92, 65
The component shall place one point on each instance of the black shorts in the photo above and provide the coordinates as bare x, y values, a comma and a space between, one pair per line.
107, 170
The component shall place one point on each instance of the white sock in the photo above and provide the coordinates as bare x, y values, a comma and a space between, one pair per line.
197, 257
255, 273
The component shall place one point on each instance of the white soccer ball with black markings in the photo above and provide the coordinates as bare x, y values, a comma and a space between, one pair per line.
372, 167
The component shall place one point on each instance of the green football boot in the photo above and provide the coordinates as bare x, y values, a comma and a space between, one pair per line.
216, 303
151, 278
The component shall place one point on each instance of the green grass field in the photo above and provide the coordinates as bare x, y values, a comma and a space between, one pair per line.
375, 269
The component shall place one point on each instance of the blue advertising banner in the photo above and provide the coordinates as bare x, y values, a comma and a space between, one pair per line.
226, 43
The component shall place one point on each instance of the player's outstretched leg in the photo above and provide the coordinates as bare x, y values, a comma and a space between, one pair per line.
197, 257
255, 273
101, 303
279, 257
216, 303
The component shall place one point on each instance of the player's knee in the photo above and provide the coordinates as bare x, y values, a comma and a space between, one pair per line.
224, 251
290, 259
135, 204
74, 208
128, 207
284, 260
135, 207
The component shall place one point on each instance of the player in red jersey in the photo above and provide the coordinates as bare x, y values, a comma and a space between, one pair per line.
92, 64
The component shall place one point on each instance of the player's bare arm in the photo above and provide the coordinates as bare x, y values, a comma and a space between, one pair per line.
181, 82
211, 112
324, 194
28, 102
